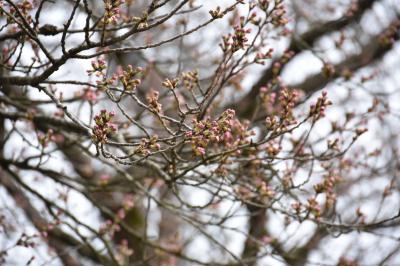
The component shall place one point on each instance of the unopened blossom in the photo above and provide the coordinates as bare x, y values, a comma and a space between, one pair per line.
103, 127
98, 67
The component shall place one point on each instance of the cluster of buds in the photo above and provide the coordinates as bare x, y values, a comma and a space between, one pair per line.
112, 11
388, 37
98, 67
170, 83
142, 22
217, 13
129, 79
265, 191
287, 101
236, 41
272, 123
239, 38
105, 83
317, 110
23, 7
278, 15
152, 99
103, 126
327, 187
261, 57
44, 139
273, 147
148, 145
190, 79
313, 207
207, 131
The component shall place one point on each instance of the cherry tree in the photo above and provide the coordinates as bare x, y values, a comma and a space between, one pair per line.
184, 132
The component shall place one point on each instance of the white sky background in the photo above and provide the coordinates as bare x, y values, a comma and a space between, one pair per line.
295, 72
